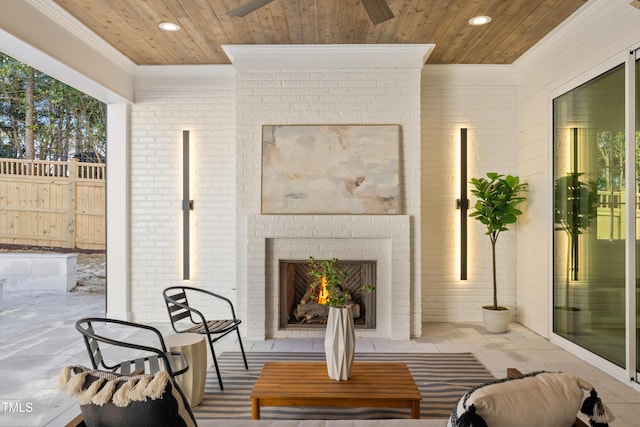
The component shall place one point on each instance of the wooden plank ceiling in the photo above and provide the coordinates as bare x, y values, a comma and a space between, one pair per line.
131, 26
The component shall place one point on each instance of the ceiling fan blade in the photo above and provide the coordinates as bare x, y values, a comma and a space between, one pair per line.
248, 7
378, 10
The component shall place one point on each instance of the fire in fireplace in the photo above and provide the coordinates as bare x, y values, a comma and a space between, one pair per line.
299, 310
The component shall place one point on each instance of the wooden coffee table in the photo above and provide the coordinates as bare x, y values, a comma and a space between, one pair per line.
372, 384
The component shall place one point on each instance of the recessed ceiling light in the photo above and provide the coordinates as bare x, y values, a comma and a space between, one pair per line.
479, 20
169, 26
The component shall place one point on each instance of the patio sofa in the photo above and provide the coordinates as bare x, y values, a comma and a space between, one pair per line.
311, 423
535, 399
323, 423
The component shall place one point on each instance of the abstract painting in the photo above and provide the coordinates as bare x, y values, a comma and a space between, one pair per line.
330, 169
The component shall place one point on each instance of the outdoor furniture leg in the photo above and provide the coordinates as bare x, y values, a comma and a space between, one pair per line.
415, 409
255, 409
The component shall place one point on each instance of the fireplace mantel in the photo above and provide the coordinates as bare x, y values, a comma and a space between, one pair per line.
385, 238
335, 56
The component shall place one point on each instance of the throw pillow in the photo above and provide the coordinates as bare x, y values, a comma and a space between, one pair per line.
108, 399
539, 399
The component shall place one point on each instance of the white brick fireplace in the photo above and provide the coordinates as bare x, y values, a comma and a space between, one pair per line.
322, 84
384, 239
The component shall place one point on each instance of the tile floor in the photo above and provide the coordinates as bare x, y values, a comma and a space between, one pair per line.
37, 338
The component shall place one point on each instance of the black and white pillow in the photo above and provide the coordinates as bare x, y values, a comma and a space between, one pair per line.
108, 399
547, 399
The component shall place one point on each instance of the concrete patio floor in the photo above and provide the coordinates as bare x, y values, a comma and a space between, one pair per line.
38, 338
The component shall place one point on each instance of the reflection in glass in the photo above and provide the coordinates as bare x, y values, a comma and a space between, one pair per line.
589, 206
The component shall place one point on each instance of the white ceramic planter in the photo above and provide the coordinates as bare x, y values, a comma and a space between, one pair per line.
496, 321
339, 343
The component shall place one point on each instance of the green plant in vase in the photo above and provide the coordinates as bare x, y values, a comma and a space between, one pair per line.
327, 277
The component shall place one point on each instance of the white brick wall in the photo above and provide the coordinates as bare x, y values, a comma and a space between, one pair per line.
227, 164
224, 164
486, 106
333, 96
158, 118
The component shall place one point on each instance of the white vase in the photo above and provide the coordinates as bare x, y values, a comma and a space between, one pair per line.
339, 343
496, 321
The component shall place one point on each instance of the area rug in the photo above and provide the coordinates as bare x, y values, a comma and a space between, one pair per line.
441, 378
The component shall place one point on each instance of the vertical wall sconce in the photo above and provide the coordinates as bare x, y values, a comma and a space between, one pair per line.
573, 255
187, 207
463, 203
574, 146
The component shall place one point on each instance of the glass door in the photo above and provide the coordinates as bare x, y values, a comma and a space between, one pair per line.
589, 216
596, 214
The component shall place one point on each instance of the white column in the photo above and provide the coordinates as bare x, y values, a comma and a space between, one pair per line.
118, 219
630, 218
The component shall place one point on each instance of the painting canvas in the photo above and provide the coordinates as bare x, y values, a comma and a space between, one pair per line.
330, 169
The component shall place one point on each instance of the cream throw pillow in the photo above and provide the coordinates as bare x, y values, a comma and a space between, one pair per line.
541, 399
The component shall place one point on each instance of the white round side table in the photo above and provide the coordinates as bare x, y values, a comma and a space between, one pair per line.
194, 348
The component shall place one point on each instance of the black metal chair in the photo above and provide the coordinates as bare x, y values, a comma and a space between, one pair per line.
149, 357
185, 318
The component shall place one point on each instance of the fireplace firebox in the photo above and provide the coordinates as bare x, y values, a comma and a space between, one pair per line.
299, 311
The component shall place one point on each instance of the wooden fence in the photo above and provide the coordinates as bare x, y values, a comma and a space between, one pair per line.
611, 216
52, 203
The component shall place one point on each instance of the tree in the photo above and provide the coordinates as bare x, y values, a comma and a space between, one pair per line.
42, 118
12, 103
29, 98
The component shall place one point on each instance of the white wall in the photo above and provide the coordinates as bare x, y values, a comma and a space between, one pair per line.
484, 100
574, 53
158, 118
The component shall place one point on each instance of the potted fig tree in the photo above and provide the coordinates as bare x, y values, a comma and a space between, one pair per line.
497, 208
